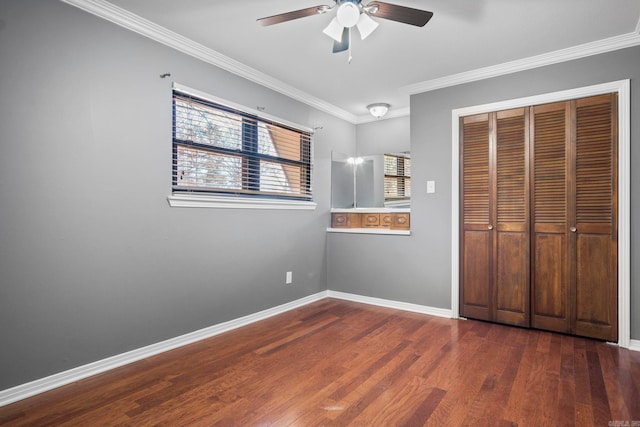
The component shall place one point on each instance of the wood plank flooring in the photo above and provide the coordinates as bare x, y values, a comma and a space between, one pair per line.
341, 363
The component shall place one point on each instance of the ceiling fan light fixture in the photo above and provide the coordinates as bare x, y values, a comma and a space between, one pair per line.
348, 14
366, 25
378, 110
334, 30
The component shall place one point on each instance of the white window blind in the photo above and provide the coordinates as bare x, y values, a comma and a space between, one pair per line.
397, 177
221, 150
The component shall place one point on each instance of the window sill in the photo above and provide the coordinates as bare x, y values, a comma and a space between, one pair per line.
369, 231
222, 202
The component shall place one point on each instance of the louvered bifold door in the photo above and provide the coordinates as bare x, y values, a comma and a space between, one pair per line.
476, 294
511, 213
595, 225
538, 209
550, 162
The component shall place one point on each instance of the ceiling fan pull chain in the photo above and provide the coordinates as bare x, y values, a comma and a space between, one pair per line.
350, 57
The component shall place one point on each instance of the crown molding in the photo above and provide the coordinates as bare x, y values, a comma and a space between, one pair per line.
146, 28
160, 34
555, 57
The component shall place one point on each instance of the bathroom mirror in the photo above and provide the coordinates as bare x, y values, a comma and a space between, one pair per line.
373, 181
342, 188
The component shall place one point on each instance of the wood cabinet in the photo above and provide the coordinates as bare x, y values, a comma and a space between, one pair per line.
383, 220
538, 217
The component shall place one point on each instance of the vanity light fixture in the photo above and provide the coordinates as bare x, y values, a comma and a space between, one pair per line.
379, 109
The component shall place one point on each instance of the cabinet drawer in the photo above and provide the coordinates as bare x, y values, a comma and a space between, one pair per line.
386, 220
400, 221
345, 220
370, 220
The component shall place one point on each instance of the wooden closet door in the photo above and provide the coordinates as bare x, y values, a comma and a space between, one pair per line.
551, 275
595, 226
476, 293
574, 198
495, 218
539, 217
476, 242
511, 212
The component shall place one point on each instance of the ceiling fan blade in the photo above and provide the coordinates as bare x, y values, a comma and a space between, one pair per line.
343, 45
406, 15
296, 14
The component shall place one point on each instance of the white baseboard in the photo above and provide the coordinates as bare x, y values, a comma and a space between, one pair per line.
32, 388
423, 309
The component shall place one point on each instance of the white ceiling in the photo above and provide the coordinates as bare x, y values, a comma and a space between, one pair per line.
465, 38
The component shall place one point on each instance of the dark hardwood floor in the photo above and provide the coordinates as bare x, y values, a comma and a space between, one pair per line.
341, 363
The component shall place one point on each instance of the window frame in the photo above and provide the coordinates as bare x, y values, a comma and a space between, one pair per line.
251, 197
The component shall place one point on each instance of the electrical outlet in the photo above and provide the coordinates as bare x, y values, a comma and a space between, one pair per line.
289, 278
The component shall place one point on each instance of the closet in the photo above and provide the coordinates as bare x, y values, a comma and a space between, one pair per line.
538, 212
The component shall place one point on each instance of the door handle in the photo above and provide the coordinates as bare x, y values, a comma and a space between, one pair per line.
573, 229
490, 227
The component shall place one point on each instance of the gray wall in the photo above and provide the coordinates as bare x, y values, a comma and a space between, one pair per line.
416, 269
93, 261
399, 268
377, 138
384, 136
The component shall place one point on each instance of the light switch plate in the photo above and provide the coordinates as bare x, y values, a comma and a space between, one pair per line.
431, 186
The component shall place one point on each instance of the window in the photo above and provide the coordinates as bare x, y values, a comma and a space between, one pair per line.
397, 177
225, 151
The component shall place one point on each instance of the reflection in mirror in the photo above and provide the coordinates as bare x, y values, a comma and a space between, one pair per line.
342, 188
353, 183
397, 180
375, 181
366, 195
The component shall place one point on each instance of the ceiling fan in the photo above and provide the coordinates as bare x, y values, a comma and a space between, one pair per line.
352, 13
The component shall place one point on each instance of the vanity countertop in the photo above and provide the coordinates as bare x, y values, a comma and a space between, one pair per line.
370, 210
